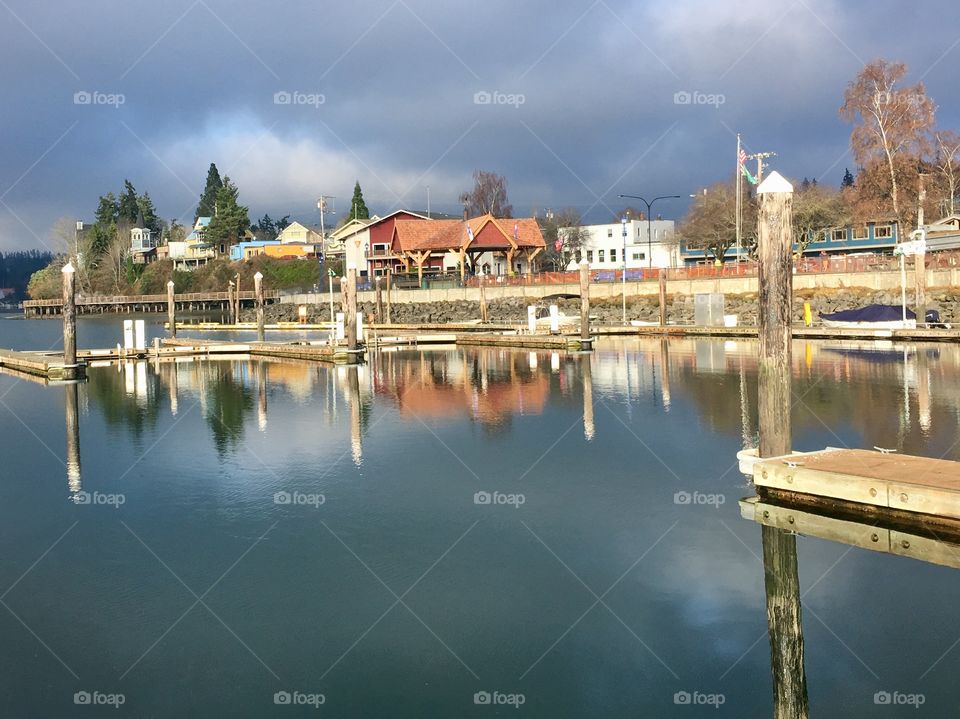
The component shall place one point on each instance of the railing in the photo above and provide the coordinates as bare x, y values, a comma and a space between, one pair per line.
147, 299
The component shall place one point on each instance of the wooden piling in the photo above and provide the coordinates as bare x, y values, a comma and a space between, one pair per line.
584, 301
351, 318
171, 309
389, 295
663, 298
258, 294
379, 305
231, 317
782, 583
69, 322
920, 286
236, 311
483, 300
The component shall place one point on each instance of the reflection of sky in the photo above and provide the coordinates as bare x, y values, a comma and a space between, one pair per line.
690, 586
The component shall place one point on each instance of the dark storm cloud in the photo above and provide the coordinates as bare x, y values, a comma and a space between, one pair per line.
583, 101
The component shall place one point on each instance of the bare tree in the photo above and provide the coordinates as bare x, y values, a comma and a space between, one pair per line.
710, 224
817, 209
888, 121
118, 255
565, 236
948, 159
489, 195
67, 240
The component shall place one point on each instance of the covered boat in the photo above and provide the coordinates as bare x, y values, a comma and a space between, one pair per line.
886, 317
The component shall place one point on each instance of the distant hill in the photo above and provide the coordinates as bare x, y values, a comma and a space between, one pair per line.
16, 268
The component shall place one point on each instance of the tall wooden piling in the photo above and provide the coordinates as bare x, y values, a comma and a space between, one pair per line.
351, 318
236, 310
584, 301
231, 317
258, 294
389, 295
72, 416
69, 322
920, 286
663, 298
379, 305
483, 299
781, 580
171, 310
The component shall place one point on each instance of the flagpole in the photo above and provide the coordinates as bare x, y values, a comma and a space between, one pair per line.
739, 201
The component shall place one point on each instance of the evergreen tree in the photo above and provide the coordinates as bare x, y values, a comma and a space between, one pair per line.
358, 208
149, 213
107, 210
847, 178
128, 206
231, 219
265, 228
208, 200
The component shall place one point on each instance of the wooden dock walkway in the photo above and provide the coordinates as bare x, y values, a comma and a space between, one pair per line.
49, 365
536, 341
873, 479
104, 304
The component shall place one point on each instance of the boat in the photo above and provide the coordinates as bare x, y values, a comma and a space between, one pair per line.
878, 317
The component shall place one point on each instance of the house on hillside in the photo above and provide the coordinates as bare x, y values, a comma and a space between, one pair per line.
193, 251
143, 245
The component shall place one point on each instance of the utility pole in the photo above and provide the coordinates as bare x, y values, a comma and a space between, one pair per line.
760, 157
322, 206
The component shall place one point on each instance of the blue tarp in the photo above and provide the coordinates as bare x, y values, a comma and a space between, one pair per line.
877, 313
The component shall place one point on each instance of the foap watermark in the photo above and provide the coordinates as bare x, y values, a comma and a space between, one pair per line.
111, 99
912, 99
485, 97
685, 97
700, 498
500, 498
499, 699
299, 699
300, 499
899, 699
699, 699
295, 97
99, 498
99, 699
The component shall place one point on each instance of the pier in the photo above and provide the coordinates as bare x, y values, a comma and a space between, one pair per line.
128, 304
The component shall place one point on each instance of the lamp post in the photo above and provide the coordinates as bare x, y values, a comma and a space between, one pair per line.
649, 206
623, 281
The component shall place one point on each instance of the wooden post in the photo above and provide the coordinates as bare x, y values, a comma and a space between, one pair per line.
230, 306
258, 294
171, 310
236, 312
379, 300
781, 580
73, 439
584, 301
389, 295
920, 286
663, 298
351, 318
69, 321
483, 299
776, 305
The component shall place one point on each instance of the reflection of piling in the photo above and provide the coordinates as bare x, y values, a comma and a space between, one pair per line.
923, 390
584, 301
585, 368
782, 583
483, 299
258, 294
351, 318
73, 438
262, 395
665, 373
171, 310
356, 438
69, 322
231, 317
663, 298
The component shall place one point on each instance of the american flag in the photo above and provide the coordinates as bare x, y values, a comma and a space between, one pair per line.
742, 158
516, 231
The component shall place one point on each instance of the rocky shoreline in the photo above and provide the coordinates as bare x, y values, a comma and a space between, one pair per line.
680, 309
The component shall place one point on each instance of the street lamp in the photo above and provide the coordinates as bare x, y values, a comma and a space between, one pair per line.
649, 205
623, 282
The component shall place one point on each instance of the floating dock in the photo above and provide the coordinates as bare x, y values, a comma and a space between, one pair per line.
49, 365
871, 479
533, 341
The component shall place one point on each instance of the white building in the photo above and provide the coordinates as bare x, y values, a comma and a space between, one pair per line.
604, 246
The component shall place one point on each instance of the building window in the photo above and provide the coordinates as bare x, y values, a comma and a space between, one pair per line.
820, 236
609, 232
860, 233
883, 232
638, 231
840, 235
639, 256
613, 255
599, 255
589, 255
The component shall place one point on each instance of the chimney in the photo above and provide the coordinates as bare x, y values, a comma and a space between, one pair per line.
465, 215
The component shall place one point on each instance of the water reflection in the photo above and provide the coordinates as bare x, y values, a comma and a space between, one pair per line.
73, 438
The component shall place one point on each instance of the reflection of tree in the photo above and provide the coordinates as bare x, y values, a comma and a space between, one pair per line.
228, 402
121, 409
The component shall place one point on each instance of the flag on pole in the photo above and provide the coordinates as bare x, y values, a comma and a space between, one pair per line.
516, 231
469, 234
742, 163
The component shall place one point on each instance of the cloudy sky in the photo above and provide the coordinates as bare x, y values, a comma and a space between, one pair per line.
573, 102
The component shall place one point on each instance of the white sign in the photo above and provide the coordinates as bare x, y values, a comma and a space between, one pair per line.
554, 319
532, 319
360, 326
340, 326
913, 247
128, 335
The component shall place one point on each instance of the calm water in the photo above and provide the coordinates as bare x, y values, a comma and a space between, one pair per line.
211, 533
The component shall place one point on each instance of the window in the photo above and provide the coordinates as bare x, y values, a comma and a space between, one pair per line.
609, 232
639, 256
883, 232
589, 255
599, 255
820, 236
860, 233
613, 255
839, 235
